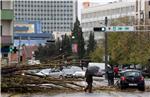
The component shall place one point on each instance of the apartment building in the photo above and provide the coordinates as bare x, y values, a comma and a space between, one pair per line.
6, 29
131, 11
54, 15
94, 16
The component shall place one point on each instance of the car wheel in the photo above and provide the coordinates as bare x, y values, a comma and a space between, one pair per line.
141, 88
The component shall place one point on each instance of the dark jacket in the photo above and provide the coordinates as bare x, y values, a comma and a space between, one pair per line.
110, 72
89, 77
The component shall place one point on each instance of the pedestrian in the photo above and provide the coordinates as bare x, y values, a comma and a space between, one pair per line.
110, 75
89, 80
116, 71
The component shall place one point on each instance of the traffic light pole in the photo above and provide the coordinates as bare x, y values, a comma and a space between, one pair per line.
106, 47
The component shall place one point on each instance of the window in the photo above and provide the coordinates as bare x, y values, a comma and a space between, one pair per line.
149, 14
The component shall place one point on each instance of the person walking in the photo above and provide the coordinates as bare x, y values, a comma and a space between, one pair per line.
89, 80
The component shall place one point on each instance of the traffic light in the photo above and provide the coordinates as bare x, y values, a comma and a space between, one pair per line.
99, 29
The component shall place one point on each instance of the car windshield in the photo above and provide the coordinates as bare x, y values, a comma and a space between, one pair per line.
132, 73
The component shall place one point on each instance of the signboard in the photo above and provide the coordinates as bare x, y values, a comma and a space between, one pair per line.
120, 29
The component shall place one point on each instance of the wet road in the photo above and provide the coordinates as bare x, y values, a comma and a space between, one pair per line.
106, 94
95, 94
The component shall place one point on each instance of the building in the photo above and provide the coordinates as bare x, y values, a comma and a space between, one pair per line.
6, 29
130, 11
94, 16
29, 33
143, 12
54, 15
27, 37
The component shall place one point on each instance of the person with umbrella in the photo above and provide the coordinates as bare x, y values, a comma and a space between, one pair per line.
90, 72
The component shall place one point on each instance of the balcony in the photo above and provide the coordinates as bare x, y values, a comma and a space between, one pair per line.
7, 14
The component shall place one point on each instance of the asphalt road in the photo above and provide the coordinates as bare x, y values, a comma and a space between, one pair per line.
82, 94
106, 94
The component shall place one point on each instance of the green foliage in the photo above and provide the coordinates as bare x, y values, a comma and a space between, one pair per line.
97, 54
91, 44
78, 38
54, 49
129, 48
66, 44
124, 47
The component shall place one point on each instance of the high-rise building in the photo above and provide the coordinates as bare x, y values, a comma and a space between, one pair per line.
54, 15
133, 12
94, 16
6, 29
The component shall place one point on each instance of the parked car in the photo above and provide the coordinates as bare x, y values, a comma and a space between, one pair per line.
44, 72
79, 74
146, 73
56, 73
67, 73
131, 77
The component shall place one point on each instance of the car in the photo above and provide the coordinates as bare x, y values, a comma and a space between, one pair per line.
79, 74
132, 77
44, 72
67, 73
146, 73
56, 73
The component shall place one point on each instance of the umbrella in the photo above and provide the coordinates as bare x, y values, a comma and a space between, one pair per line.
93, 70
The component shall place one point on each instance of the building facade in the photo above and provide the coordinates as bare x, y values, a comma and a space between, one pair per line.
128, 10
94, 16
29, 33
6, 29
143, 12
54, 15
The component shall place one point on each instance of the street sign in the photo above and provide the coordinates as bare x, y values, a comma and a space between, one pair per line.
120, 28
